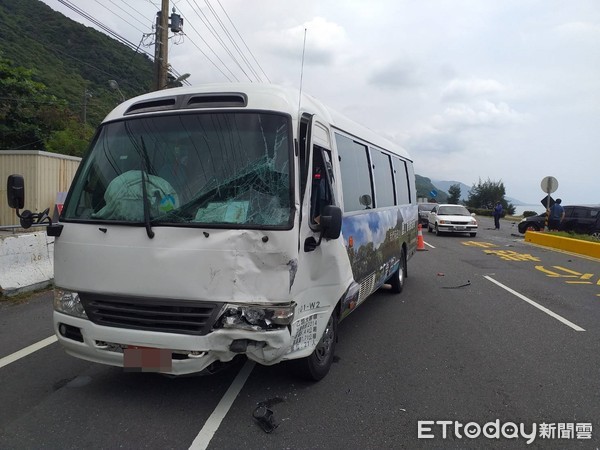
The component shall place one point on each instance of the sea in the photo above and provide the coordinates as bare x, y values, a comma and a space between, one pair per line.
539, 209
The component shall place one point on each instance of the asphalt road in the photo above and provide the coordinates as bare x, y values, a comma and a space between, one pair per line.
489, 330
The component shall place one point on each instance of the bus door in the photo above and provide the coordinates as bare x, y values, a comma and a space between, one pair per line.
318, 254
318, 183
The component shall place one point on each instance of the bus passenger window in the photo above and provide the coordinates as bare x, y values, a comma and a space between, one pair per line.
355, 174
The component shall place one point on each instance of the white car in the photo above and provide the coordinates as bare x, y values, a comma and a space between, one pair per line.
451, 219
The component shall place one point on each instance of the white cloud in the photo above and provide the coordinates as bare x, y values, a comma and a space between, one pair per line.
483, 114
580, 30
458, 89
399, 73
325, 41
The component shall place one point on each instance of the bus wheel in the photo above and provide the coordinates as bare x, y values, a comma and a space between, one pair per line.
317, 365
397, 279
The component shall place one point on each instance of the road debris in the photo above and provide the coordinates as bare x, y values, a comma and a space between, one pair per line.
468, 283
264, 417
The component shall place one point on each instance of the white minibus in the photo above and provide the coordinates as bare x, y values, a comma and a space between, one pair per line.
222, 220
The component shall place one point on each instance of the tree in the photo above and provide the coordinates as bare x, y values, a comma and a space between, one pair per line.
72, 140
28, 115
485, 195
454, 194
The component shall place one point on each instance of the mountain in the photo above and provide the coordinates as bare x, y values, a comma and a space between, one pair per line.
73, 61
445, 185
425, 188
514, 201
464, 190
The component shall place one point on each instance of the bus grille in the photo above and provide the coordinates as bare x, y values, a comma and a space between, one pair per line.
162, 315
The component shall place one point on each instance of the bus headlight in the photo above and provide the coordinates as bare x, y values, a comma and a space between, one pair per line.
68, 302
257, 317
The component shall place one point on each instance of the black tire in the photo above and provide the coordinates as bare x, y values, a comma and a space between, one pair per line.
595, 235
473, 234
317, 365
437, 230
398, 278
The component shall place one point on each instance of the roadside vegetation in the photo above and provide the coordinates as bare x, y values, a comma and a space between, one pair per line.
581, 237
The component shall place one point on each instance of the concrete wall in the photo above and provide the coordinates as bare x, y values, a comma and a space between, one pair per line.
26, 262
45, 174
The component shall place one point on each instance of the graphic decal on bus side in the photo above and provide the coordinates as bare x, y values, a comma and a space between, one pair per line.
371, 240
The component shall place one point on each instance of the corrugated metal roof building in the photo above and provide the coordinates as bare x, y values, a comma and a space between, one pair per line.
46, 174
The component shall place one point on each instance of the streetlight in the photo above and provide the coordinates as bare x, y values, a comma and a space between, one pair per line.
174, 81
114, 85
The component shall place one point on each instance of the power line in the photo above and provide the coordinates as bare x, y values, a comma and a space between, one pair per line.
250, 73
109, 31
45, 45
99, 24
214, 32
210, 48
244, 42
128, 13
236, 47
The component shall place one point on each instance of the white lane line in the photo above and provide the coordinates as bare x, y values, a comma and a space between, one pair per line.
212, 424
428, 244
27, 351
537, 305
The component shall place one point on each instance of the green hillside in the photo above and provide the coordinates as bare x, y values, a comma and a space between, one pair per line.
424, 188
70, 59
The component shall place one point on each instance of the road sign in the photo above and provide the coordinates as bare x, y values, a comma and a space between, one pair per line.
549, 185
547, 202
433, 193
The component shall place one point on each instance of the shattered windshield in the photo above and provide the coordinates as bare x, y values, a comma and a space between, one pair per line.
202, 169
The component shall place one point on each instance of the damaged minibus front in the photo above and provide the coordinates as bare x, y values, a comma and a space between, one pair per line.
204, 223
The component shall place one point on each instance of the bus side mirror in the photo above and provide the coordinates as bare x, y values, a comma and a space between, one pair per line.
331, 221
15, 191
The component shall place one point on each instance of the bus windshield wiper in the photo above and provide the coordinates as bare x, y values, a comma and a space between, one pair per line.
145, 199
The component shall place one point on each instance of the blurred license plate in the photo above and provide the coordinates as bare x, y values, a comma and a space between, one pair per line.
460, 228
147, 359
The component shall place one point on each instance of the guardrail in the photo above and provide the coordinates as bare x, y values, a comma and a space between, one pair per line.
26, 262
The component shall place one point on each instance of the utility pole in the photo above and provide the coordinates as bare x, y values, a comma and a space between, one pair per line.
86, 94
161, 48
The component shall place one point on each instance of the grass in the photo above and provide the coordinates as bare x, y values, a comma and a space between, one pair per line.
581, 237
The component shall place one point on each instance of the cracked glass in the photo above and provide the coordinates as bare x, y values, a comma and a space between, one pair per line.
222, 169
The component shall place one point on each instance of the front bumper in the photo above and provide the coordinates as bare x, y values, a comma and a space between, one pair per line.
190, 353
457, 228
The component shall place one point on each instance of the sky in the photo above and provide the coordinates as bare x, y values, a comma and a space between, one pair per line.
505, 90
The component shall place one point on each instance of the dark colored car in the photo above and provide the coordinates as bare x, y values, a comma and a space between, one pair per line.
580, 219
424, 209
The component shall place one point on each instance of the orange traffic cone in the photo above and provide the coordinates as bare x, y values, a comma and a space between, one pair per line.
420, 241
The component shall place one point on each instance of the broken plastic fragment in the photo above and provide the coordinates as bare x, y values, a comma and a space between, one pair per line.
264, 418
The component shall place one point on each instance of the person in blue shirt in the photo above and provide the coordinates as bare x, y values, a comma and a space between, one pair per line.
556, 215
497, 214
